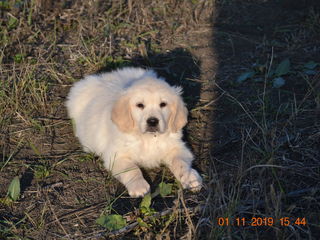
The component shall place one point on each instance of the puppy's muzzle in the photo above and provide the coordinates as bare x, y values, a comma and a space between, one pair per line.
152, 124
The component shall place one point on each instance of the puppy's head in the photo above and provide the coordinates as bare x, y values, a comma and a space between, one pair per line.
150, 106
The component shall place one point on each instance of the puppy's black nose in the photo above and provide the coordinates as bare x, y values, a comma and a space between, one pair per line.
152, 122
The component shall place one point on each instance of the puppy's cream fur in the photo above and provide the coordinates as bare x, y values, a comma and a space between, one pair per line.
110, 123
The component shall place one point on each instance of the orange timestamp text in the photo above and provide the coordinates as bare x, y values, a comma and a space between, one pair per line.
261, 221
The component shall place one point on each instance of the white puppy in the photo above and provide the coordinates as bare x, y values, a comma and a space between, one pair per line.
132, 119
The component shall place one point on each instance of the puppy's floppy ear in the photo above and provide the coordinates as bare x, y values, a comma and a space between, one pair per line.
179, 115
121, 114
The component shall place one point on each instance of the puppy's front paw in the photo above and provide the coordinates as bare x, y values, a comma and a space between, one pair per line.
138, 188
191, 179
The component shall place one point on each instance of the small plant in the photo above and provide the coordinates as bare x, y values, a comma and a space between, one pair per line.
282, 69
41, 171
145, 204
87, 157
18, 58
146, 211
164, 189
115, 62
12, 22
114, 222
276, 75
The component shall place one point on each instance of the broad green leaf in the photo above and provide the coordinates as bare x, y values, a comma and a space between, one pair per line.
145, 205
165, 189
14, 189
111, 222
283, 68
245, 76
310, 65
278, 82
310, 72
146, 201
13, 22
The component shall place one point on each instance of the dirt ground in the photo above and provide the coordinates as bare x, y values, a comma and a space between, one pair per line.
250, 73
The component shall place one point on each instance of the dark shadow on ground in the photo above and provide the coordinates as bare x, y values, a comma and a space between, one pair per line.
248, 34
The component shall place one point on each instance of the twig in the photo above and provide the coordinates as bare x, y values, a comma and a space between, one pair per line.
53, 185
301, 192
76, 211
191, 227
207, 104
56, 218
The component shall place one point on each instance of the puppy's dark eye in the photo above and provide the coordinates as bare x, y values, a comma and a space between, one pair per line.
140, 105
163, 104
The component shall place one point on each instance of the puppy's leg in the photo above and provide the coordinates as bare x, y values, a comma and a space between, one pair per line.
180, 165
130, 175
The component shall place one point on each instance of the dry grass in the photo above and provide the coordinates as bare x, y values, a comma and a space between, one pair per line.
256, 146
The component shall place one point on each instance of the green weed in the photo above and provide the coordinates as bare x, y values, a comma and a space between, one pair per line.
276, 76
13, 193
111, 222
